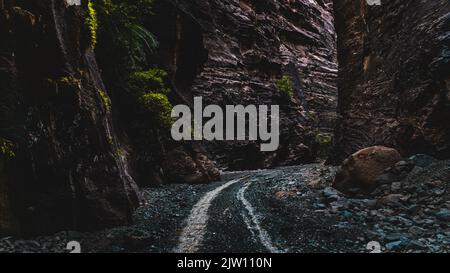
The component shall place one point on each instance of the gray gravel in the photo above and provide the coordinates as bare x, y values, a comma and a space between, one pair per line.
297, 208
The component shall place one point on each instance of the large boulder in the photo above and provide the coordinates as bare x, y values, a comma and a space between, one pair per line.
361, 169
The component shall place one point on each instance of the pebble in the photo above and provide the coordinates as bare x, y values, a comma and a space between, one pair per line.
396, 186
405, 215
331, 193
394, 245
444, 215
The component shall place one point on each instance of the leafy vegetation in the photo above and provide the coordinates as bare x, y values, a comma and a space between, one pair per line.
152, 80
323, 139
69, 81
124, 37
123, 32
313, 117
285, 86
149, 88
125, 50
323, 143
159, 108
105, 100
6, 148
92, 23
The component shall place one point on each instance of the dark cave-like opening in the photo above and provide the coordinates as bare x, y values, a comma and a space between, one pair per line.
181, 50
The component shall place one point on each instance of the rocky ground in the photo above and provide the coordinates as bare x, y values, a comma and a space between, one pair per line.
291, 209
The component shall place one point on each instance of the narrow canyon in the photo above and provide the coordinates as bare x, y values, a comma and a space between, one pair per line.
86, 91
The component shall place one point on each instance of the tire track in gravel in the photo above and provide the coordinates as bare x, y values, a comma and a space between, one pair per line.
192, 235
234, 225
227, 231
253, 223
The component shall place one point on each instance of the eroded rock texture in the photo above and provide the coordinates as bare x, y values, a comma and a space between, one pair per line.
67, 172
394, 76
232, 52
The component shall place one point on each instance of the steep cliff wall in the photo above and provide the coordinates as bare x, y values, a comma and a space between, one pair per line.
142, 95
394, 76
233, 52
64, 170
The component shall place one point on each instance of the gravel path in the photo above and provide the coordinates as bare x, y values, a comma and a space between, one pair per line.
291, 209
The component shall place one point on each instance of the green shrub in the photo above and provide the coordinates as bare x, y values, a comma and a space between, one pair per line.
159, 108
148, 89
149, 81
323, 143
92, 23
323, 139
285, 86
6, 148
122, 33
313, 117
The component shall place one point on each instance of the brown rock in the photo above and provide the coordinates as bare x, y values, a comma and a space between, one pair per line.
391, 199
361, 169
189, 164
232, 52
284, 194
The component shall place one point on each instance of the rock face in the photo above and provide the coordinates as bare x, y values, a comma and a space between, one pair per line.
189, 164
233, 52
362, 169
66, 171
394, 76
8, 222
62, 165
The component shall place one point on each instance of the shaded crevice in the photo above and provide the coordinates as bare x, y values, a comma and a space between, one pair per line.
181, 49
390, 92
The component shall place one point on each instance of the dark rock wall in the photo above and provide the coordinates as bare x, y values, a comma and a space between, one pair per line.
70, 170
394, 76
67, 172
232, 52
8, 222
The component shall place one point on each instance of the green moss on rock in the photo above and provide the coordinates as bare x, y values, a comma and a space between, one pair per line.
159, 107
323, 142
69, 81
148, 81
285, 86
105, 100
92, 23
323, 139
6, 148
